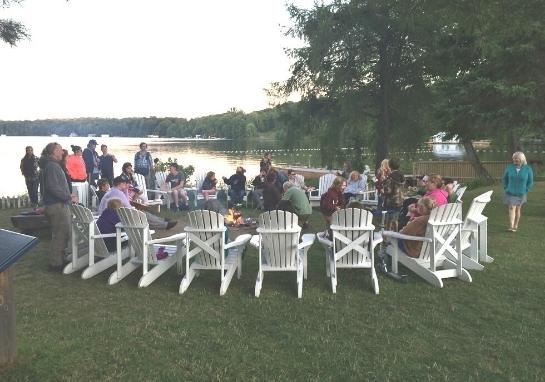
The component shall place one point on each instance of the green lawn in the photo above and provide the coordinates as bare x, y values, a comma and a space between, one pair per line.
492, 329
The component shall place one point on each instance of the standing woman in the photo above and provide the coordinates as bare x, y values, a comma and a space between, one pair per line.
518, 179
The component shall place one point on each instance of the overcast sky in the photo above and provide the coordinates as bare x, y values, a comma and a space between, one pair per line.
137, 58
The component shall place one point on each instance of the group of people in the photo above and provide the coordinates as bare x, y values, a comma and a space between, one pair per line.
273, 189
51, 173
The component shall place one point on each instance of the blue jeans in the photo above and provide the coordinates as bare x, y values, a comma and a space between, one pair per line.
237, 196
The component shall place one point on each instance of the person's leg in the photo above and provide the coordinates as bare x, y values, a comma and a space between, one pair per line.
155, 222
183, 195
518, 210
32, 188
257, 195
59, 219
511, 216
175, 198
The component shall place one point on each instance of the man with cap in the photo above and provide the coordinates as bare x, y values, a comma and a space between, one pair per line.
237, 181
90, 157
119, 191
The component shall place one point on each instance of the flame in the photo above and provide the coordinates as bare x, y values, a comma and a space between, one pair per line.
233, 217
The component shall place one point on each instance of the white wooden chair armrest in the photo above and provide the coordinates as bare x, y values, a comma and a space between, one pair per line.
477, 219
123, 236
177, 237
158, 192
239, 241
288, 230
342, 228
438, 224
193, 229
307, 240
254, 241
397, 235
325, 241
377, 239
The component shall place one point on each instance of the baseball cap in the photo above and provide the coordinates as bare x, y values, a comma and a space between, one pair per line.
92, 142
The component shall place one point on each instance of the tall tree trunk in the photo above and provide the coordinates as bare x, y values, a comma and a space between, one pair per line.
382, 138
475, 161
514, 142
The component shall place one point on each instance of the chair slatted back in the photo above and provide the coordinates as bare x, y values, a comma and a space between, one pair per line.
207, 245
475, 213
279, 236
199, 179
352, 218
84, 223
141, 182
161, 179
326, 181
136, 227
447, 213
81, 189
460, 192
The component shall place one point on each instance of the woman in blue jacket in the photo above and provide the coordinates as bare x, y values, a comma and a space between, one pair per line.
518, 179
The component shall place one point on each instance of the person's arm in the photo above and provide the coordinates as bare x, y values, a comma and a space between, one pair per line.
506, 178
530, 181
113, 158
56, 184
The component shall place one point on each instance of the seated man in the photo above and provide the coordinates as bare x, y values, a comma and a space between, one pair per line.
176, 179
299, 201
119, 191
298, 181
237, 181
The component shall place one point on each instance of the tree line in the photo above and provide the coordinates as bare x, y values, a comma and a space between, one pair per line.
232, 124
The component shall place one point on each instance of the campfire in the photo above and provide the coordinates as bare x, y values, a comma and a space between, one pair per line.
234, 218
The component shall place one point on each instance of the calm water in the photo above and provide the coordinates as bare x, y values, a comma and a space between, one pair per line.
219, 156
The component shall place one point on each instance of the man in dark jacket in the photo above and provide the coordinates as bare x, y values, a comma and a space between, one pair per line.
237, 183
29, 169
90, 157
55, 197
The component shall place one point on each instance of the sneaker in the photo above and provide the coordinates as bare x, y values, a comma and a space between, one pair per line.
171, 224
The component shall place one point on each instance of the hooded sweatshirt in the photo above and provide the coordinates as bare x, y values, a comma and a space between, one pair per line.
53, 182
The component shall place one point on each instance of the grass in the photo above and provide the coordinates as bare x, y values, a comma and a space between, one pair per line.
492, 329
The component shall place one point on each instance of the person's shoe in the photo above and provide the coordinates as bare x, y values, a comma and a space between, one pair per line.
171, 224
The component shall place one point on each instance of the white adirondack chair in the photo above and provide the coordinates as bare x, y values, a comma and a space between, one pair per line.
85, 231
474, 235
162, 185
199, 179
353, 245
94, 198
279, 247
141, 182
459, 193
144, 249
81, 189
325, 182
368, 197
206, 249
443, 235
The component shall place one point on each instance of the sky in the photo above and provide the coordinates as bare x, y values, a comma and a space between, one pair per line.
138, 58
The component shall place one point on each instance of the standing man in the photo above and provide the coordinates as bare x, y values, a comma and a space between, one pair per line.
106, 161
143, 164
55, 197
90, 157
29, 169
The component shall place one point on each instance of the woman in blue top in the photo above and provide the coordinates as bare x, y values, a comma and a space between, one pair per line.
518, 179
356, 183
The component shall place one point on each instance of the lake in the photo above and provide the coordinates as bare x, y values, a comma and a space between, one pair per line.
221, 156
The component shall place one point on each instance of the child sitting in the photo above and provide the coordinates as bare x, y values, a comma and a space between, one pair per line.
417, 227
103, 187
107, 221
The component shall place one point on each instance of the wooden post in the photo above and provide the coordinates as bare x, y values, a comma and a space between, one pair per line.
8, 344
